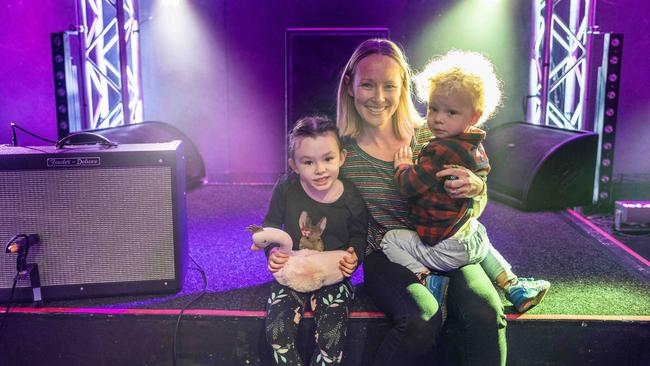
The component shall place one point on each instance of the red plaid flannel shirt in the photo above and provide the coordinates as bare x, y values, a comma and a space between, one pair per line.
435, 215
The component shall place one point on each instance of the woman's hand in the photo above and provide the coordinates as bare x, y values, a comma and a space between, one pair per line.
403, 156
349, 263
277, 260
466, 185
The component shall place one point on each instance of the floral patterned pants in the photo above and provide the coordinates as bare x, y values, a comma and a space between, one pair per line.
284, 310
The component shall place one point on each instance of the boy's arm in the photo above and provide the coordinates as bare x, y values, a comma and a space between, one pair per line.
413, 180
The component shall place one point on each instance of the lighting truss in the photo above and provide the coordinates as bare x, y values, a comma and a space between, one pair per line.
559, 57
111, 65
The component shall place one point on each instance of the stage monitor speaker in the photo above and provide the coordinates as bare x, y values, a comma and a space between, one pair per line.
539, 167
111, 221
155, 131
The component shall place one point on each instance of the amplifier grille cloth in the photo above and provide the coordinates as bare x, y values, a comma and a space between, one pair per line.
96, 225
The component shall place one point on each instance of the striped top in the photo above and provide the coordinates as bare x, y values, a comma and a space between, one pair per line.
374, 178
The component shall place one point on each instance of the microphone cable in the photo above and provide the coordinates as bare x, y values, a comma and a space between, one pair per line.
14, 139
5, 318
180, 315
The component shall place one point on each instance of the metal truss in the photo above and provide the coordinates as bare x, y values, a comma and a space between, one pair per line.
559, 66
110, 65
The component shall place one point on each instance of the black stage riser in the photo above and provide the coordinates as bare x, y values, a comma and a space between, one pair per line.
100, 339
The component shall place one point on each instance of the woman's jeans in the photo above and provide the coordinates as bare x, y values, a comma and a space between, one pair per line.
474, 333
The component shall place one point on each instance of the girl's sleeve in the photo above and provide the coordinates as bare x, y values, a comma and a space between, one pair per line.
277, 206
275, 213
358, 224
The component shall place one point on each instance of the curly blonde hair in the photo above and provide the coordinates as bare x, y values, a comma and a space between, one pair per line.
464, 71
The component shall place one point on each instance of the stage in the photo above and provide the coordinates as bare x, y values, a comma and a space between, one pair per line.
596, 313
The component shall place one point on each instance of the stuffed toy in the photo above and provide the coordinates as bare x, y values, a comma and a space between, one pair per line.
307, 269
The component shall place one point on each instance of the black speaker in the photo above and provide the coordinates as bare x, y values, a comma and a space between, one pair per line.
539, 167
155, 131
111, 221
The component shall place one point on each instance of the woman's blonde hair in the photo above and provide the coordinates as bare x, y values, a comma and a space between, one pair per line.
464, 71
348, 120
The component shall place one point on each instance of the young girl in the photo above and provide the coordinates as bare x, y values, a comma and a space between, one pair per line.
309, 203
462, 91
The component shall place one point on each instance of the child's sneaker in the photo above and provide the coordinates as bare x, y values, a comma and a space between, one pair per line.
438, 286
526, 293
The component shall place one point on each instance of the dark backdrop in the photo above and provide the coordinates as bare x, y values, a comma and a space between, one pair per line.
215, 69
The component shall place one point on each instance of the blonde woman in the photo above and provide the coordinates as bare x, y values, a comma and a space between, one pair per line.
376, 116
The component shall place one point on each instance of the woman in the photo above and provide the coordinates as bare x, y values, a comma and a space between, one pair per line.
376, 115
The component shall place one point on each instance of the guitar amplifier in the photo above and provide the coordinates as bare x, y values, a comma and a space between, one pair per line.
111, 221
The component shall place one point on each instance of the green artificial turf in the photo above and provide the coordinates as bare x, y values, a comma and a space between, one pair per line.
587, 277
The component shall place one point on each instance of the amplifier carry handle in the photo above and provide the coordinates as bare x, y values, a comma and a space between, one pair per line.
85, 138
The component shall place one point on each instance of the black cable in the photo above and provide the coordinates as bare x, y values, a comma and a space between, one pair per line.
524, 102
5, 319
178, 321
15, 140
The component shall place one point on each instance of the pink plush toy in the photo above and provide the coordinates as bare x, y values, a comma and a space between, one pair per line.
306, 270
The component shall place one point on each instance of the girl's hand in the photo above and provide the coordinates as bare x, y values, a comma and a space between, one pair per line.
466, 185
348, 264
403, 156
277, 260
